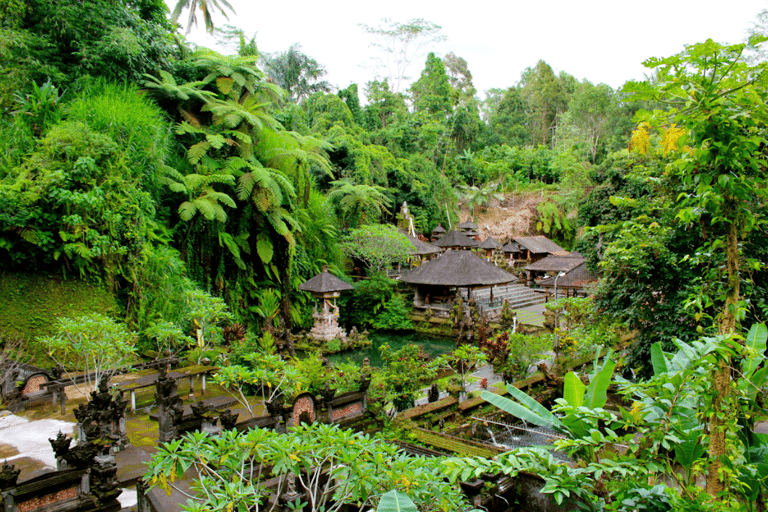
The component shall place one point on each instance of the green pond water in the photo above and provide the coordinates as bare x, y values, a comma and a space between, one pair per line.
432, 346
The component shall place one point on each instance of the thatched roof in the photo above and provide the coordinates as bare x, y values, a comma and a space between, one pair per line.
511, 247
556, 263
538, 244
457, 268
456, 239
489, 243
467, 225
439, 229
324, 283
421, 248
578, 277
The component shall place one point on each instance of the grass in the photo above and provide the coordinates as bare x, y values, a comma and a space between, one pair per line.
31, 304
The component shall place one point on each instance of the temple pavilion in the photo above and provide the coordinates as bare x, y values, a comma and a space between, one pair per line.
326, 287
490, 245
456, 240
440, 280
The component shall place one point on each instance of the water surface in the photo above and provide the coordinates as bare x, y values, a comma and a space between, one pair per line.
432, 346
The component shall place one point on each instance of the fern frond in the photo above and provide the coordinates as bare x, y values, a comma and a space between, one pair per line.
197, 151
187, 210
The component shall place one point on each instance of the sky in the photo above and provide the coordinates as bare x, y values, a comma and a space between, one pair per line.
603, 41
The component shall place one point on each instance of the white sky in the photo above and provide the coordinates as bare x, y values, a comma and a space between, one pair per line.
598, 40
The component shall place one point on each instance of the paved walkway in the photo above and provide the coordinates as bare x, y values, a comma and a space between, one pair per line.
24, 443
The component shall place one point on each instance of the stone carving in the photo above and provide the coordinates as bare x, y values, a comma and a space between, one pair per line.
275, 406
434, 393
60, 447
326, 323
206, 415
228, 420
102, 419
170, 407
103, 484
8, 476
290, 495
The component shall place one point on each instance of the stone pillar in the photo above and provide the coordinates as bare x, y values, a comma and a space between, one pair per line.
170, 407
103, 478
60, 447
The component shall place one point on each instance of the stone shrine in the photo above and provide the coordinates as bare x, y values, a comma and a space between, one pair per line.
326, 287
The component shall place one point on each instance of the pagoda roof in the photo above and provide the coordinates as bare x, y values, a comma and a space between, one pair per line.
467, 225
456, 239
489, 243
457, 268
439, 229
511, 247
324, 282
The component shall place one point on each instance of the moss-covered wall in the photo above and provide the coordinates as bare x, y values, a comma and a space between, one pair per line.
30, 303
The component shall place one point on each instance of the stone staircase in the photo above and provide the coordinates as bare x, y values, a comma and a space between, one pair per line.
518, 296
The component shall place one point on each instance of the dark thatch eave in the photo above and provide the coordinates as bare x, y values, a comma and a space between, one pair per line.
325, 283
421, 248
457, 268
556, 264
578, 277
489, 243
455, 239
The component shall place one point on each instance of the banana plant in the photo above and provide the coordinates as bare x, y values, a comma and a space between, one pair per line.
576, 395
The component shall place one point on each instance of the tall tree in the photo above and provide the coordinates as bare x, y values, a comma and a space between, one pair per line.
592, 108
384, 106
546, 97
295, 72
432, 91
722, 102
507, 118
400, 44
460, 77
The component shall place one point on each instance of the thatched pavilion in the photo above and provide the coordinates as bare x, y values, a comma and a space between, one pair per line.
456, 240
571, 272
439, 281
489, 245
326, 287
422, 249
535, 248
512, 252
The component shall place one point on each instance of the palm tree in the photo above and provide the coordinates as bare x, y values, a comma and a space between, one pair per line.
479, 196
204, 6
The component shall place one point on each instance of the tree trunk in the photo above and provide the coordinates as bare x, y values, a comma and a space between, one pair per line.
719, 424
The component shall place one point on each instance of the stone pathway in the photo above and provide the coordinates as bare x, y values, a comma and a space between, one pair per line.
30, 438
34, 455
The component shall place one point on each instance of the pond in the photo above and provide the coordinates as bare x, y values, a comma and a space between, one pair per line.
432, 346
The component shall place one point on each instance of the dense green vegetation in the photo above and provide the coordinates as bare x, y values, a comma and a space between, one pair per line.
187, 194
154, 169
